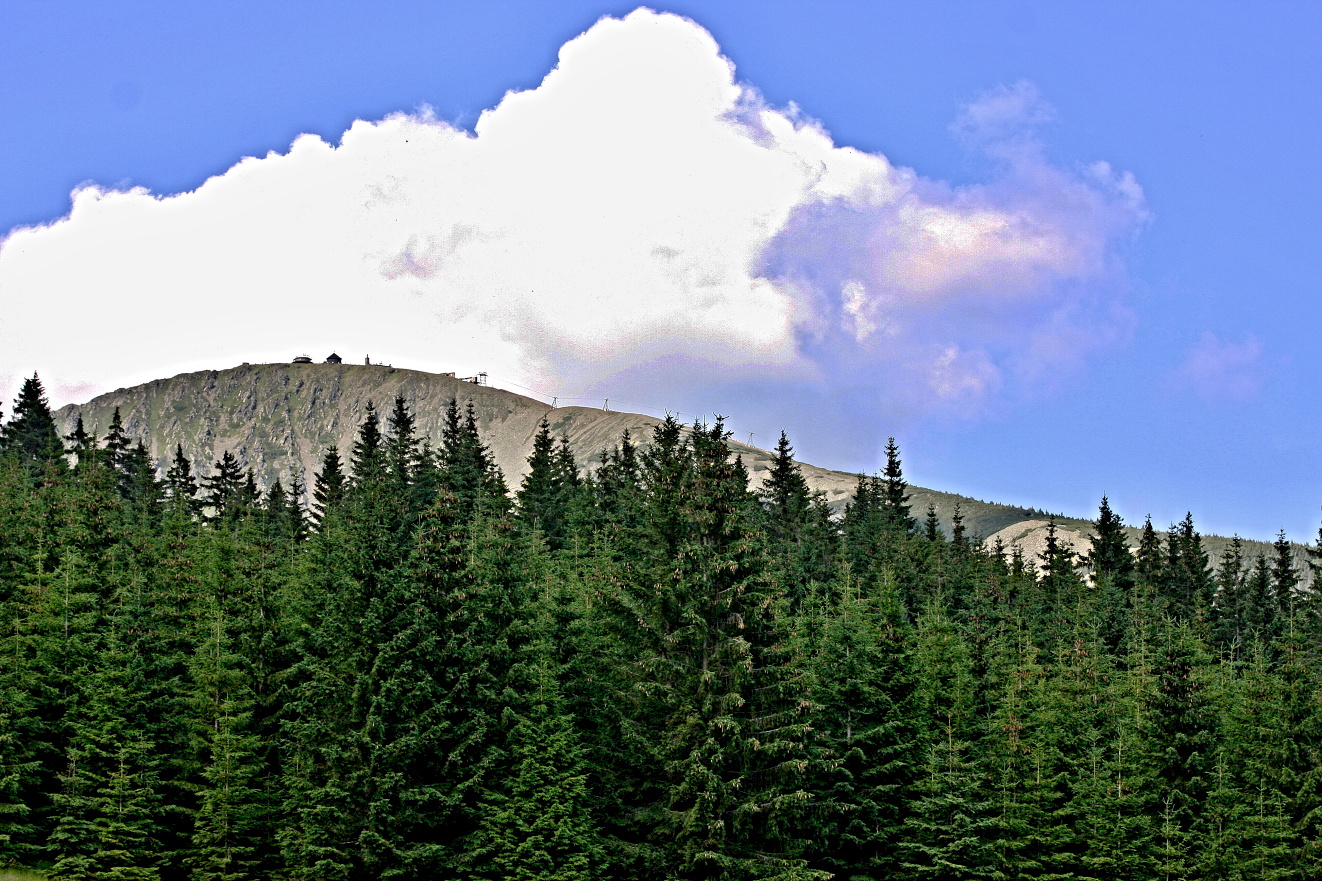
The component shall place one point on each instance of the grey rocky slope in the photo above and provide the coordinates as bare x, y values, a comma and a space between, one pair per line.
279, 419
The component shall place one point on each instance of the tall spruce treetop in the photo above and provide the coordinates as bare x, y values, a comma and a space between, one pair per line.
1186, 582
402, 453
138, 482
1148, 562
729, 702
409, 465
932, 524
1285, 578
467, 469
116, 442
180, 484
895, 493
1060, 579
81, 444
1110, 553
224, 487
1227, 609
537, 494
549, 488
958, 532
784, 493
617, 480
366, 457
328, 485
30, 432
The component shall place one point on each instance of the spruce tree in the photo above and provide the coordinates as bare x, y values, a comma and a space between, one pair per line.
784, 494
895, 494
547, 492
116, 443
1187, 586
80, 444
30, 432
729, 703
616, 483
139, 484
1110, 554
1060, 587
1180, 747
467, 468
19, 769
1259, 615
1285, 578
533, 820
1148, 562
402, 447
1248, 817
231, 812
1228, 606
180, 486
948, 827
1113, 571
223, 489
868, 730
328, 485
109, 806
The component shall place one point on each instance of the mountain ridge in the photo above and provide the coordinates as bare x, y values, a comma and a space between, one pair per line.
279, 418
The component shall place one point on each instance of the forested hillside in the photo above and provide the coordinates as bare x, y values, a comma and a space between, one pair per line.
645, 671
278, 419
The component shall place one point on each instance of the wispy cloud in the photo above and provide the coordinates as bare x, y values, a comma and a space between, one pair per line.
641, 218
1221, 370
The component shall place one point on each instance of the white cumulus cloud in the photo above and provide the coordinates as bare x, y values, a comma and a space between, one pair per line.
640, 220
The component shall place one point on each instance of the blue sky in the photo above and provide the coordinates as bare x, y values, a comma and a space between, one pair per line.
1160, 352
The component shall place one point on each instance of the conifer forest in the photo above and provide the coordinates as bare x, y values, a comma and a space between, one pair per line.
646, 671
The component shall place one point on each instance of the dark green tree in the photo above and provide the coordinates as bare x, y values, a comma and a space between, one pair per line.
1285, 578
30, 432
868, 734
328, 485
108, 808
180, 485
1113, 571
1180, 743
729, 702
81, 445
116, 443
1228, 604
895, 493
467, 469
549, 492
223, 489
534, 821
948, 826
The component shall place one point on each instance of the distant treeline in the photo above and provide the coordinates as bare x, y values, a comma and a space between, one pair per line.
645, 672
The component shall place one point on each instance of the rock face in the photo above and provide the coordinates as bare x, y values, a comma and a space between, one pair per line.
279, 419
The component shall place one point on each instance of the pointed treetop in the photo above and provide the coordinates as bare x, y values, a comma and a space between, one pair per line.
30, 432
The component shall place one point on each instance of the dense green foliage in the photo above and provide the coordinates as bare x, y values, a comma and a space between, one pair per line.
644, 672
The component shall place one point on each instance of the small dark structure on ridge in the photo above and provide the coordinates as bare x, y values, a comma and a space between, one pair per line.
303, 359
333, 358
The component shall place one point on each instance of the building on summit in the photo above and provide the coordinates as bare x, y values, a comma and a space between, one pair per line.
333, 358
303, 359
